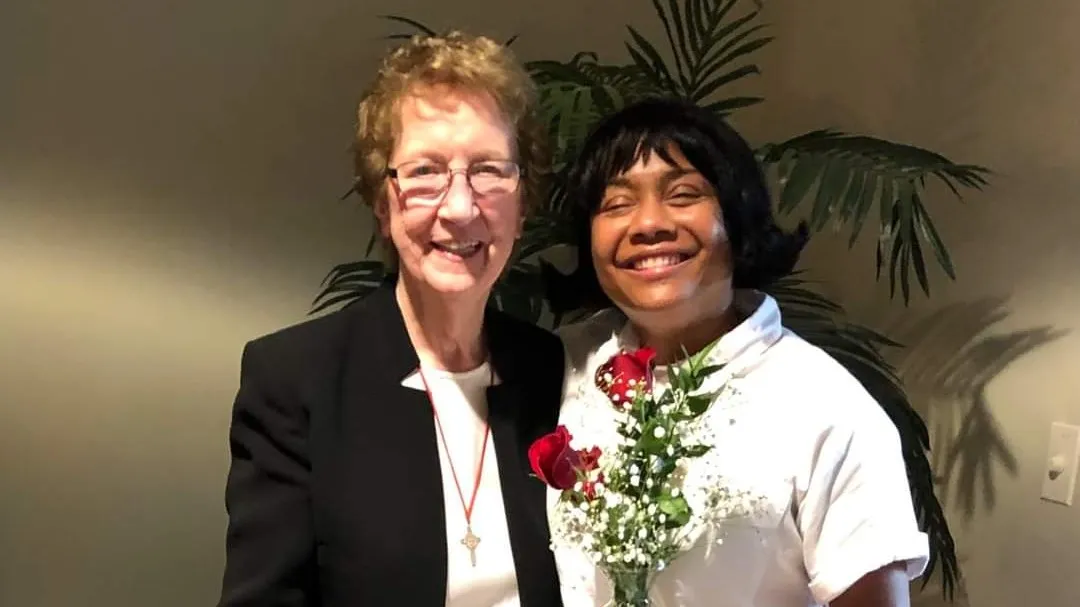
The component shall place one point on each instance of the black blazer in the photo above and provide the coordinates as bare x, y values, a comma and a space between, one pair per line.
335, 494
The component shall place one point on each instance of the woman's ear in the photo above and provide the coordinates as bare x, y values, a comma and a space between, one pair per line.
381, 210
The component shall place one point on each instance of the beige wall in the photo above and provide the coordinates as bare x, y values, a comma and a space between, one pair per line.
168, 174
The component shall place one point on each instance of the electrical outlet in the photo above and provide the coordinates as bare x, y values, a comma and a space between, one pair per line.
1062, 460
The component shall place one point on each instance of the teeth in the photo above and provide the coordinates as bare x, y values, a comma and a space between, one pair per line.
659, 261
460, 248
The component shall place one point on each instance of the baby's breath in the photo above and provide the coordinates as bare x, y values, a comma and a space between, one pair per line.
638, 517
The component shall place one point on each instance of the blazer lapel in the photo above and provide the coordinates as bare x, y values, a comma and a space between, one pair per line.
389, 435
386, 536
516, 413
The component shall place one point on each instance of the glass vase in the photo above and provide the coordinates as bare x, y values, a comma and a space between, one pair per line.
630, 587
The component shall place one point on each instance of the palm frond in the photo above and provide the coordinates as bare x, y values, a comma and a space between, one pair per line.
709, 48
585, 69
845, 177
348, 282
419, 28
859, 349
416, 26
570, 110
519, 292
545, 230
575, 94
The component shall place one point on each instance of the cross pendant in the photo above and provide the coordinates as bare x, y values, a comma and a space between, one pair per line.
470, 541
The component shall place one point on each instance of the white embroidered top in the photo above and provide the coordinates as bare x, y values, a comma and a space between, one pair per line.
792, 426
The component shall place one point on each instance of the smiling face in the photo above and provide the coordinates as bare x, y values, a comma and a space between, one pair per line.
659, 246
460, 242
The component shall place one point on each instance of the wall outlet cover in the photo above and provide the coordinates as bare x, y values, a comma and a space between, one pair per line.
1062, 461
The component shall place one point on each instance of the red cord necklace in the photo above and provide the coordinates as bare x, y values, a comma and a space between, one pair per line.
470, 541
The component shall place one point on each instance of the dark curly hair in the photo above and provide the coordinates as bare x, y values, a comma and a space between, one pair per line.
761, 251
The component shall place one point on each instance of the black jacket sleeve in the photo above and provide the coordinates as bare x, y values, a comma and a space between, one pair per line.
270, 543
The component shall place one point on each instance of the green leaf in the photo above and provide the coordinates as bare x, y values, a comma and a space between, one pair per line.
348, 282
928, 232
714, 64
725, 40
697, 404
841, 176
664, 466
705, 43
419, 28
571, 111
680, 378
864, 200
727, 106
667, 397
708, 370
676, 509
697, 362
695, 450
912, 232
372, 239
648, 60
649, 443
707, 89
801, 178
575, 94
678, 40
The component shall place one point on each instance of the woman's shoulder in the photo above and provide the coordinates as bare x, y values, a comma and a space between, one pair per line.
314, 337
583, 338
811, 385
319, 345
585, 342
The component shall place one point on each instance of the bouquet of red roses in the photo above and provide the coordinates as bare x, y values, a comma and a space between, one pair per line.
624, 506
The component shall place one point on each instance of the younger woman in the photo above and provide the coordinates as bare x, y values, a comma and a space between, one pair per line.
678, 238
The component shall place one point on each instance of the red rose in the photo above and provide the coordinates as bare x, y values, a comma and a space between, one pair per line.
624, 372
588, 488
589, 459
553, 461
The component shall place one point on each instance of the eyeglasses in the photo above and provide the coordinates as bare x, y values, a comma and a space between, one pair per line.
425, 182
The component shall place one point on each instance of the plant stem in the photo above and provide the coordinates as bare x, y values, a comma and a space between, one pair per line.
630, 588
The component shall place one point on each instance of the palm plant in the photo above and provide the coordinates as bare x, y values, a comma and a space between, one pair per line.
832, 178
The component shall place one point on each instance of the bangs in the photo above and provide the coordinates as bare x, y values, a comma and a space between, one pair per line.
616, 147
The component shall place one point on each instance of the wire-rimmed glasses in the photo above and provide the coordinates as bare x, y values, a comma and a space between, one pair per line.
425, 182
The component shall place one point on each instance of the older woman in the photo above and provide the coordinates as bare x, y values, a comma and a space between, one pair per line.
378, 453
679, 236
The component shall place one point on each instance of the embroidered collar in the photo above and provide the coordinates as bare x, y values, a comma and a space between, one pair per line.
739, 348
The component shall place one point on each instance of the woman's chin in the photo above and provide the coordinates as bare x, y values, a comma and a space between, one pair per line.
656, 297
454, 285
457, 281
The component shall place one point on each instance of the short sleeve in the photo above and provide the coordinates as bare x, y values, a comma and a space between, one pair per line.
856, 515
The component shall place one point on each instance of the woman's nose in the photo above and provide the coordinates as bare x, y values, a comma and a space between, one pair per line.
459, 202
652, 221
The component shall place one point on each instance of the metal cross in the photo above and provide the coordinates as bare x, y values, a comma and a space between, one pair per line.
470, 541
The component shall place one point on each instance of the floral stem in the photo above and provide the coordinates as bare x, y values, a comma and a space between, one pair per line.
630, 588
